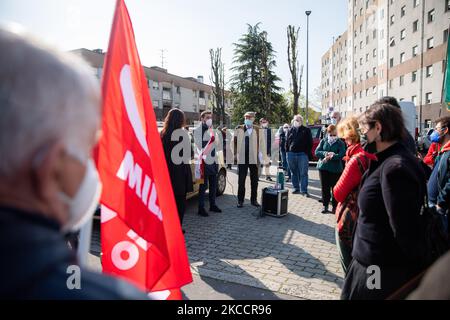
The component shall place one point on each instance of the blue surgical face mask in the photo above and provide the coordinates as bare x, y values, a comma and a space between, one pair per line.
435, 137
333, 121
248, 123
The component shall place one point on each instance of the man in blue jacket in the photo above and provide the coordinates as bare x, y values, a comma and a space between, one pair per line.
439, 183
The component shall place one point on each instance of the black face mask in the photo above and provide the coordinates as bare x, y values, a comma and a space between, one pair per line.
370, 147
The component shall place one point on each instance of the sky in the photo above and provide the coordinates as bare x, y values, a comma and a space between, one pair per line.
186, 30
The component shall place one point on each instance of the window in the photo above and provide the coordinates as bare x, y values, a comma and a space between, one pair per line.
416, 3
360, 12
155, 104
155, 85
367, 39
429, 97
392, 42
430, 43
403, 11
374, 91
415, 51
429, 71
367, 74
367, 92
374, 33
390, 84
374, 53
403, 34
414, 99
447, 5
414, 76
445, 38
416, 26
178, 89
402, 80
361, 45
360, 61
382, 34
367, 57
391, 62
382, 13
374, 71
431, 15
392, 19
402, 57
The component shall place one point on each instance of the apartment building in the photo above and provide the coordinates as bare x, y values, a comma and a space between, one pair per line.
167, 90
391, 47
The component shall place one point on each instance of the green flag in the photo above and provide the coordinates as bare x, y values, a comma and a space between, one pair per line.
447, 77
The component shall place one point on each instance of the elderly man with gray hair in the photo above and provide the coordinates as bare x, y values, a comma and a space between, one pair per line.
298, 147
49, 123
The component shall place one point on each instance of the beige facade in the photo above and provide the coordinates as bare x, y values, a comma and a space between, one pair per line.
391, 47
166, 90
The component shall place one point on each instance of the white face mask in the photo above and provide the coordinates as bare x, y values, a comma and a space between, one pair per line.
209, 123
332, 140
296, 124
265, 125
82, 206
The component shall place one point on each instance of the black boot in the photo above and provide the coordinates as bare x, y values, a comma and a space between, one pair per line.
202, 212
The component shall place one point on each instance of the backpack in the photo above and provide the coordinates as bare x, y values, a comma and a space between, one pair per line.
348, 213
436, 238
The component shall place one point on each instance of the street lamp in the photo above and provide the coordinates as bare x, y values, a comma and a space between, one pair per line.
308, 13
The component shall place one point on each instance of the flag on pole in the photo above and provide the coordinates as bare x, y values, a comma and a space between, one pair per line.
447, 77
141, 234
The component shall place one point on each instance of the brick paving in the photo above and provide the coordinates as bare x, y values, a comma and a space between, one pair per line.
295, 255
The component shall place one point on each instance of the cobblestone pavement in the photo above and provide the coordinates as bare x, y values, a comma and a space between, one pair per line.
295, 255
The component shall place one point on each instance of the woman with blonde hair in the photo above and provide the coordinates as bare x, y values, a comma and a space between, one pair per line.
346, 189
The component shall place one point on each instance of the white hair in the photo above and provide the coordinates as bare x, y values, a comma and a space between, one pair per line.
298, 116
45, 96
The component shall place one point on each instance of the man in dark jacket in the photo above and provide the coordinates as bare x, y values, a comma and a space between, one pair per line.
50, 115
205, 142
298, 147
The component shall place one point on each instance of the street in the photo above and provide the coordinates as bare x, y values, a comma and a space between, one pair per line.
239, 255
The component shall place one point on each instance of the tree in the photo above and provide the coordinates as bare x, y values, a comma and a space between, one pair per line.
254, 82
218, 80
294, 65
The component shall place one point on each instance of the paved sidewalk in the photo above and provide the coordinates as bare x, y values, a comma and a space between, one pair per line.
295, 255
238, 255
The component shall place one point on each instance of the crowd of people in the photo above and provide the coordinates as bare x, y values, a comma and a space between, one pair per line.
369, 171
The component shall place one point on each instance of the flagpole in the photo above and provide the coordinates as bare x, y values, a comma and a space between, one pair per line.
444, 82
84, 245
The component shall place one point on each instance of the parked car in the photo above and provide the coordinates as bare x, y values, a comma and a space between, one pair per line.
423, 141
316, 132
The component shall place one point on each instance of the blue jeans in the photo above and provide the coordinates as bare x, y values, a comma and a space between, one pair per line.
298, 164
285, 163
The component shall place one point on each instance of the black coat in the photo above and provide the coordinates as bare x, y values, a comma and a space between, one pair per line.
180, 174
299, 140
389, 226
35, 260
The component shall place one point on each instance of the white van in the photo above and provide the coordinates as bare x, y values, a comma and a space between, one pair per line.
410, 116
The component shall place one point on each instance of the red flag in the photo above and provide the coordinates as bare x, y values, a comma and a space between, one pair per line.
141, 233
